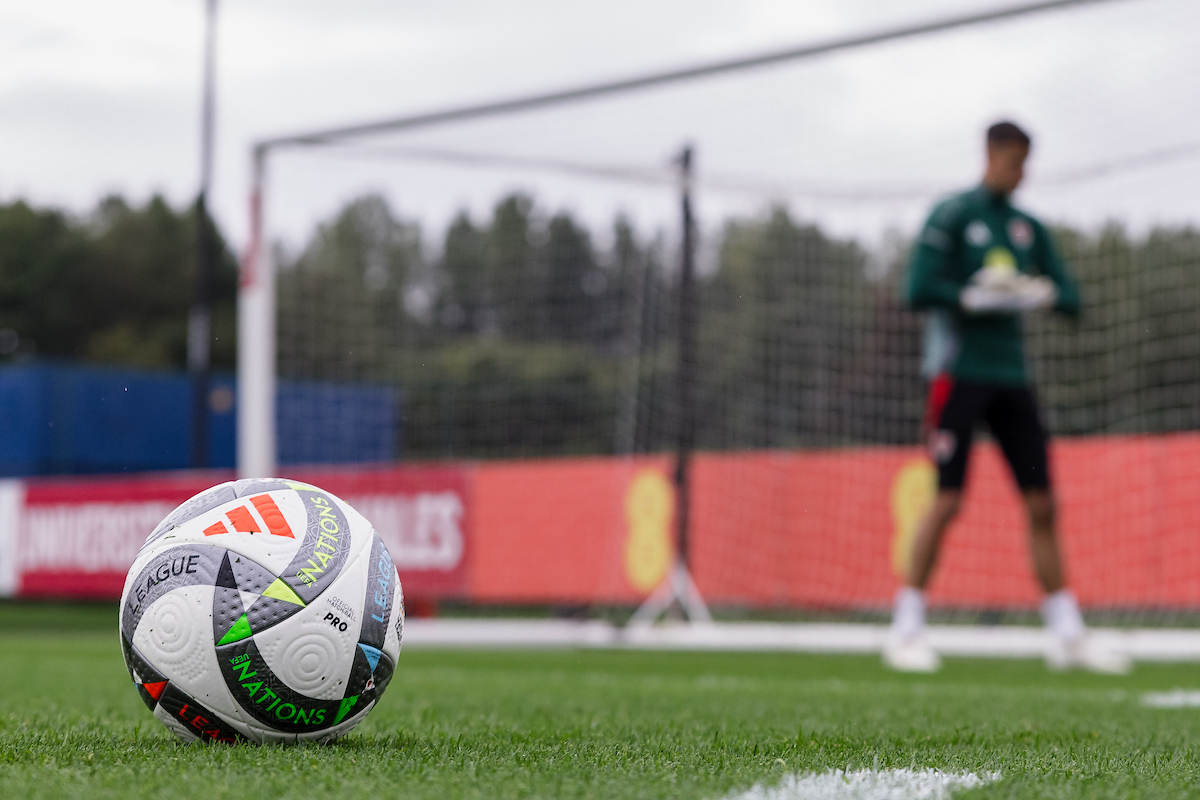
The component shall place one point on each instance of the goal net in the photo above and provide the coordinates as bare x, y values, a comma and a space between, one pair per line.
513, 281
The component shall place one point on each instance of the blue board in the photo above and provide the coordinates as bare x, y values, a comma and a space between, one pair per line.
69, 419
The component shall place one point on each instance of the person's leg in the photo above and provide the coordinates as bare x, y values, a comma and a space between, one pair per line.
908, 614
955, 408
1059, 608
928, 540
1017, 426
1043, 539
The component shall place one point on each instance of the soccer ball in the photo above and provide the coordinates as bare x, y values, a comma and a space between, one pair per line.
262, 610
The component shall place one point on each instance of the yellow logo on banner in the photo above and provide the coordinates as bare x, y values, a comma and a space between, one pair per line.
649, 510
913, 490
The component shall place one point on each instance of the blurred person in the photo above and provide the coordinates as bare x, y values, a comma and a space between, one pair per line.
977, 265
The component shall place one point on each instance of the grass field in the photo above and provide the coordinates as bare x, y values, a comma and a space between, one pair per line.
568, 724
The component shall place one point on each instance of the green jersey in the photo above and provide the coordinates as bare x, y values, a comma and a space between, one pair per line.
963, 235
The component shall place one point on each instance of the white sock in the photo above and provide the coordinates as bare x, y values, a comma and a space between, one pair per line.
1061, 613
908, 616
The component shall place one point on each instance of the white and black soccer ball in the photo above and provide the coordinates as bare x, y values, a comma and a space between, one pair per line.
262, 610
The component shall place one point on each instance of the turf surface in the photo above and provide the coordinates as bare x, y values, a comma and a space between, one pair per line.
568, 724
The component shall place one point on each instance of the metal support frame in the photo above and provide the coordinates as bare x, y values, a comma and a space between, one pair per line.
678, 588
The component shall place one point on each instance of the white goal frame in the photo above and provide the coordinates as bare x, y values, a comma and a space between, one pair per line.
256, 365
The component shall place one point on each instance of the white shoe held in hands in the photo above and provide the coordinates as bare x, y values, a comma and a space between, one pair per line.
1005, 290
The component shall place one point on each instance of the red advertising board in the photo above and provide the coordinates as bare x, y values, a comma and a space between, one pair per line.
562, 530
772, 528
77, 538
831, 529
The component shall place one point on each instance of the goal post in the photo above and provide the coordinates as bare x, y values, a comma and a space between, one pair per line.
256, 309
256, 354
256, 450
531, 293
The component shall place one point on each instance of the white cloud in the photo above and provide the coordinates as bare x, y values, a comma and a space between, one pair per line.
103, 97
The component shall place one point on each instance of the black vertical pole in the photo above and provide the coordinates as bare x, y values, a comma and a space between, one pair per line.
200, 316
685, 376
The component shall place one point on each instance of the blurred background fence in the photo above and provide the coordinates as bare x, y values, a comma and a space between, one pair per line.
523, 337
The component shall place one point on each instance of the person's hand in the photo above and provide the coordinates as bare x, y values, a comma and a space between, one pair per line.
1006, 291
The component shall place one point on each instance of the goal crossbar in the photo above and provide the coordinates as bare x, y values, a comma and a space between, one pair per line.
705, 70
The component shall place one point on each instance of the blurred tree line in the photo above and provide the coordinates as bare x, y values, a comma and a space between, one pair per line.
526, 333
113, 286
508, 342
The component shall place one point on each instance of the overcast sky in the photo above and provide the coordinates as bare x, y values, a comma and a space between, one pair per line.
104, 97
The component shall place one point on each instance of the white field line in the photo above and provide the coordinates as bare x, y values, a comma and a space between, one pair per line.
1176, 698
999, 641
869, 784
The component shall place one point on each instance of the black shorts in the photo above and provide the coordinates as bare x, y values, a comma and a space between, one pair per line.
956, 407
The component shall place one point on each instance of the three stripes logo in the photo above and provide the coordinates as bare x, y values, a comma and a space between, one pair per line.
242, 519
